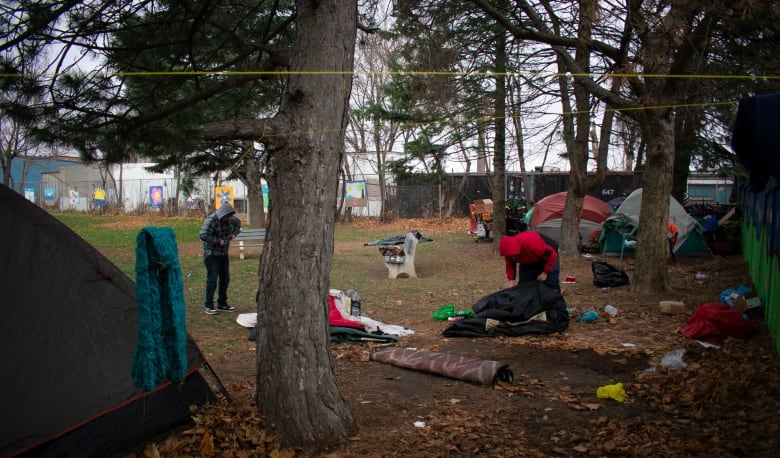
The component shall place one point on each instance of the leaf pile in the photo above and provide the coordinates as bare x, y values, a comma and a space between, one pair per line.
223, 430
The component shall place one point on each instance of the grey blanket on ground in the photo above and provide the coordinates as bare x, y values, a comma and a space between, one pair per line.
463, 368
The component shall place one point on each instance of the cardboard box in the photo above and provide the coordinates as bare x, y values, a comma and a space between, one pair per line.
744, 303
483, 206
753, 302
672, 307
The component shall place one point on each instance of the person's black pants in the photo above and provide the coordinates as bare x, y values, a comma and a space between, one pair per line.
217, 275
529, 272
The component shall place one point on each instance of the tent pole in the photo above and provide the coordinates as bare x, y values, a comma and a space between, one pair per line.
210, 370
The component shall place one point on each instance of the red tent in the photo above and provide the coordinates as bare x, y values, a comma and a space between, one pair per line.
546, 215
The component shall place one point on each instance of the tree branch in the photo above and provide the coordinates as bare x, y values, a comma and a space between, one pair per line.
559, 45
239, 129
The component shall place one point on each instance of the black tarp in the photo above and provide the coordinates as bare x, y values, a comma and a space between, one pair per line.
756, 137
528, 308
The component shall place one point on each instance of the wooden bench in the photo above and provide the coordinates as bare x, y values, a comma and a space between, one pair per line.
250, 238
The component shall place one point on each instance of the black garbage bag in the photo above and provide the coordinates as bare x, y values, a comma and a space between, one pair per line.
607, 275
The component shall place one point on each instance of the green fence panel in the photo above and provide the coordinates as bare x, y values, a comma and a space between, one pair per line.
763, 269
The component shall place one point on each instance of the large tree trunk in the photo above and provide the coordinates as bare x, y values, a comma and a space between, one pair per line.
650, 273
296, 386
577, 154
499, 142
569, 242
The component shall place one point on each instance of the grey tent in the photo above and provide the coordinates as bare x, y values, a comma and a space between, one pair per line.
67, 336
690, 241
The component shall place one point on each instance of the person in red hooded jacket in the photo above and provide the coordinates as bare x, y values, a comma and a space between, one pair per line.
530, 255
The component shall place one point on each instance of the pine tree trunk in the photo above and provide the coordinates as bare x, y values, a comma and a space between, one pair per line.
296, 386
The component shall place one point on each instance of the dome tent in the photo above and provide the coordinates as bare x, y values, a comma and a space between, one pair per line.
68, 337
546, 216
690, 240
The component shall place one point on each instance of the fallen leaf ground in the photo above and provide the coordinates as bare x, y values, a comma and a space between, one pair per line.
724, 402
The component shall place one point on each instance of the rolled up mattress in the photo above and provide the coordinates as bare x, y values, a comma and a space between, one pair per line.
458, 367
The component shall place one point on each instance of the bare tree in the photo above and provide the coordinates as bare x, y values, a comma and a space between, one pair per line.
19, 91
657, 39
12, 145
372, 132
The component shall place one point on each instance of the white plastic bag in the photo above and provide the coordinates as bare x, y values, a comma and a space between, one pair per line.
673, 360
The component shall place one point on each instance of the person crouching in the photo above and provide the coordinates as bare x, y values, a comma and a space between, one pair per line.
530, 255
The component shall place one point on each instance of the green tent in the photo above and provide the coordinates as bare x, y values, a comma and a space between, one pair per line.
619, 230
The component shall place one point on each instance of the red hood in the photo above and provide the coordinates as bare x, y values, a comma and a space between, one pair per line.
509, 246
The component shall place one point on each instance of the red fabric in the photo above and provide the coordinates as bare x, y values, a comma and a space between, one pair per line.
714, 321
337, 319
526, 248
673, 232
472, 219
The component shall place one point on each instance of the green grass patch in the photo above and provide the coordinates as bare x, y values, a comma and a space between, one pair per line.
450, 273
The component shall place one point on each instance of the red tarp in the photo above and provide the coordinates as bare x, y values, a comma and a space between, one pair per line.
336, 319
714, 321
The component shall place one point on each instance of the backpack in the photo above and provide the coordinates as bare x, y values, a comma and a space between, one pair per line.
607, 275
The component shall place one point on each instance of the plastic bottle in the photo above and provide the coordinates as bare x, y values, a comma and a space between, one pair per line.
610, 310
355, 302
444, 312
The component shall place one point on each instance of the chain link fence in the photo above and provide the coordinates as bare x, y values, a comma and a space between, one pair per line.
164, 195
140, 196
128, 196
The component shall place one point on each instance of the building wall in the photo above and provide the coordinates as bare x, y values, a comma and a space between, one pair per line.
26, 174
709, 189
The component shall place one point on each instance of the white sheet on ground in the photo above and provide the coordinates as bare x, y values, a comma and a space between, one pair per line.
373, 325
249, 320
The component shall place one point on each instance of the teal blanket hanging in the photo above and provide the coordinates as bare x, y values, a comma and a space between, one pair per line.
161, 351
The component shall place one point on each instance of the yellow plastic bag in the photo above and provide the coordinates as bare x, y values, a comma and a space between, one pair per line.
615, 392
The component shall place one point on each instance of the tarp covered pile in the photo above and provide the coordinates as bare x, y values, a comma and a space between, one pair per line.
528, 308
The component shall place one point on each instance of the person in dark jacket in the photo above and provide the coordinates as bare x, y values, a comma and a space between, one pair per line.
530, 255
218, 230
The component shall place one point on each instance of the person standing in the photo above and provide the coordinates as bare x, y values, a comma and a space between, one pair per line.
530, 255
218, 230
